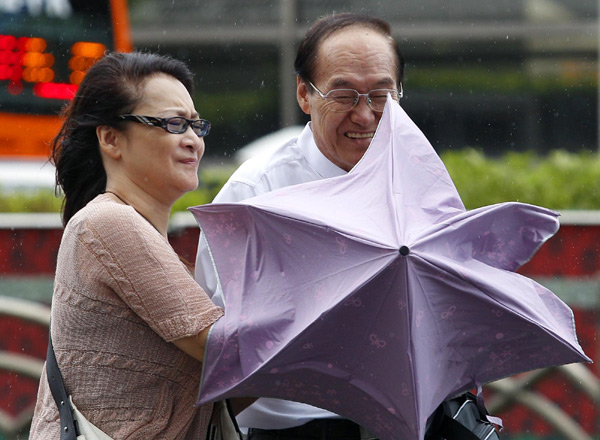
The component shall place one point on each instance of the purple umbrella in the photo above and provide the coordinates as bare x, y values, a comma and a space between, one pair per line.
375, 295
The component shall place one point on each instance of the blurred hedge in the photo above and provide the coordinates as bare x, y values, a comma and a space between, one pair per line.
559, 180
45, 200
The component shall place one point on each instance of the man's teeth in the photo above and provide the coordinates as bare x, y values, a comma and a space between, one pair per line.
360, 135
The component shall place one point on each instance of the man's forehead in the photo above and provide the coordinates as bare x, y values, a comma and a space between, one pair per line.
340, 36
347, 54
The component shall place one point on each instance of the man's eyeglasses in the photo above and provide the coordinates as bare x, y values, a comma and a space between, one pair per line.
343, 100
176, 124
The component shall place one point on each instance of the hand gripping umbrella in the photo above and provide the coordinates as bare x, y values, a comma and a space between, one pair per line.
375, 295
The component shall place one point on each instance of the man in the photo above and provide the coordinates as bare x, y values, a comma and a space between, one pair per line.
346, 66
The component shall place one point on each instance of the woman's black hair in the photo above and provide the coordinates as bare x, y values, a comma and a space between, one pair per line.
112, 86
306, 57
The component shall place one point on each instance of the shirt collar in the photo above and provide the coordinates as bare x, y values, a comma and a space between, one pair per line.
323, 166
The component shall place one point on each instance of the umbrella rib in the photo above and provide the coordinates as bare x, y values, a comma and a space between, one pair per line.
409, 319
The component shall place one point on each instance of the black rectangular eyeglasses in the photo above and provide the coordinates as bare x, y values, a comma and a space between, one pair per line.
175, 125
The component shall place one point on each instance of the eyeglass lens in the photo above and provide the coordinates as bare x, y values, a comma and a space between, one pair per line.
180, 124
346, 99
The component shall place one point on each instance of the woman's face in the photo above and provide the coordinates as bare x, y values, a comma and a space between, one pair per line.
162, 164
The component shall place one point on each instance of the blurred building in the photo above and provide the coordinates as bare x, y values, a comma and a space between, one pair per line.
501, 75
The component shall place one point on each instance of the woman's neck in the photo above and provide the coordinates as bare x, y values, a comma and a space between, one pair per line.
156, 213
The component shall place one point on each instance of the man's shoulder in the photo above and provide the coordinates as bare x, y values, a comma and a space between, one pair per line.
284, 166
266, 163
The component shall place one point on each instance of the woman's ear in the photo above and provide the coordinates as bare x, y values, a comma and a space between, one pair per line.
108, 139
302, 95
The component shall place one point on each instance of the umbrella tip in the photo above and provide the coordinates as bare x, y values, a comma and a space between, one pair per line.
404, 251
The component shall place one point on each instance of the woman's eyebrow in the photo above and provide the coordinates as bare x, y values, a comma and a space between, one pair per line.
182, 112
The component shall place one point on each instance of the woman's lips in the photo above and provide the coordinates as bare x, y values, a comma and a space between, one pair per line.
190, 161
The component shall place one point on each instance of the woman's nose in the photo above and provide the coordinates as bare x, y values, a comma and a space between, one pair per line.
192, 140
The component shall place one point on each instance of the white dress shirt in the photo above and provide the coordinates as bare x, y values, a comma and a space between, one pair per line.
297, 161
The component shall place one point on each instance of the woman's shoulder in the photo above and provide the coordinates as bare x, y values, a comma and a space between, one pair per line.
103, 211
105, 224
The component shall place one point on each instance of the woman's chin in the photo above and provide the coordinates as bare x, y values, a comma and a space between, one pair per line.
191, 186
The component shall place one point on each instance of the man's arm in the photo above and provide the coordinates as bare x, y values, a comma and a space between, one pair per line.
206, 276
205, 273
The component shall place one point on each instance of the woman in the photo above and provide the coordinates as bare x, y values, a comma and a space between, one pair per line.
129, 323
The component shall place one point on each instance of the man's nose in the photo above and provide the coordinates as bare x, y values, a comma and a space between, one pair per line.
362, 113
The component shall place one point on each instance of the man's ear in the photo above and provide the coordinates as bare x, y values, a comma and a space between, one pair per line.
302, 95
108, 139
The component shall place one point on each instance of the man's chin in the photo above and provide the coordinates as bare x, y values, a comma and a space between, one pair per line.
361, 145
350, 162
361, 149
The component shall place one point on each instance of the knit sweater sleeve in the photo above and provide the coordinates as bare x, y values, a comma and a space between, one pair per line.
140, 266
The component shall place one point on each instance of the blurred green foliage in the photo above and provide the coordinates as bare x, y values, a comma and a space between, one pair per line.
211, 181
42, 200
559, 180
501, 80
45, 200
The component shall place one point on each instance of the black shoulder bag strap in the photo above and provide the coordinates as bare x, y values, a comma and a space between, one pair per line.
68, 430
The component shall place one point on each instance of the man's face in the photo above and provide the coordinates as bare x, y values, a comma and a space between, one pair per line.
357, 58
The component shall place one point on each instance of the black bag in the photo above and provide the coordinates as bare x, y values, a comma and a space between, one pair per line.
461, 418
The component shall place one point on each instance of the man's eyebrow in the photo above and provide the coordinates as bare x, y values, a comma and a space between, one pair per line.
386, 82
340, 82
343, 83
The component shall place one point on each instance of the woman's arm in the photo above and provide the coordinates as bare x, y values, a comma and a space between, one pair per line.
145, 272
194, 345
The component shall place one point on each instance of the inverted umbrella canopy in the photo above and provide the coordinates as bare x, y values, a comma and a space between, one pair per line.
375, 295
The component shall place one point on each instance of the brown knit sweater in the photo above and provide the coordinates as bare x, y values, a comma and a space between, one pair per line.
121, 294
